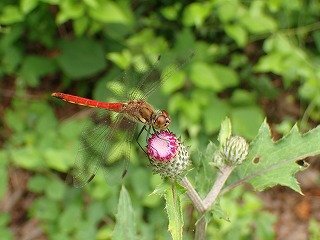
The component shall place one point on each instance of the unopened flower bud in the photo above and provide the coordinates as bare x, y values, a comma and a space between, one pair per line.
235, 150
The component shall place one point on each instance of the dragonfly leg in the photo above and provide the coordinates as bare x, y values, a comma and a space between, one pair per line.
157, 134
137, 139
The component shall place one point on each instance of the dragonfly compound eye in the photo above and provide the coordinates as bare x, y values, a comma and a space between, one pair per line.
163, 120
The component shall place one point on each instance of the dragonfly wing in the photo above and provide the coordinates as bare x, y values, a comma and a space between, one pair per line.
154, 78
115, 170
96, 142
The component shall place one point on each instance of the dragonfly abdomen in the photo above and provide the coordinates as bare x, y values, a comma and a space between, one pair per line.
116, 107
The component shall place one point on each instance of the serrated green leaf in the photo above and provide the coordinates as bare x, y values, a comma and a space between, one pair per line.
172, 194
125, 227
272, 163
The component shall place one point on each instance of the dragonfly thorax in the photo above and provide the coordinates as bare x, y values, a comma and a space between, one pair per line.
141, 111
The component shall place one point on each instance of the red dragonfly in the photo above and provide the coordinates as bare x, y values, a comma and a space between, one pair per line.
97, 142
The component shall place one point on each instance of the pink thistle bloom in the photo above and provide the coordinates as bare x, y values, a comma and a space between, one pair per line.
168, 156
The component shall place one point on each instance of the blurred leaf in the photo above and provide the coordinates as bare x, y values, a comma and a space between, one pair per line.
12, 57
55, 189
81, 58
96, 212
38, 183
59, 159
229, 10
139, 182
246, 121
175, 82
45, 209
214, 114
28, 158
316, 35
6, 234
35, 67
202, 75
28, 5
195, 13
227, 76
110, 12
80, 25
122, 59
259, 24
242, 97
215, 77
237, 33
11, 14
171, 12
125, 227
66, 220
3, 178
86, 230
4, 218
69, 9
265, 222
92, 3
225, 131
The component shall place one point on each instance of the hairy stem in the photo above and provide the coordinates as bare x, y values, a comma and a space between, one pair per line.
204, 205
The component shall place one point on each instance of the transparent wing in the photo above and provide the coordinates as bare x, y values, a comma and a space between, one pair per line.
155, 77
99, 144
119, 157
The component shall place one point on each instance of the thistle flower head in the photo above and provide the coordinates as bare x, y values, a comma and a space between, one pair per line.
233, 152
168, 156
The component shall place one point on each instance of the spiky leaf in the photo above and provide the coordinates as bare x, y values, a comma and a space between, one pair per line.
125, 227
172, 194
271, 163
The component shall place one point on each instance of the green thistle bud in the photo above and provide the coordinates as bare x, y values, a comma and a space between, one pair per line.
168, 156
233, 152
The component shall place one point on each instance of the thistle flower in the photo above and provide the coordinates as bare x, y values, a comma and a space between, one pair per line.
168, 156
233, 152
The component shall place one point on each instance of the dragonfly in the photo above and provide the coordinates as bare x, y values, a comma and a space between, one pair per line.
97, 145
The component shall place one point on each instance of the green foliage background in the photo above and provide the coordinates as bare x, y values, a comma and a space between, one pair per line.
250, 55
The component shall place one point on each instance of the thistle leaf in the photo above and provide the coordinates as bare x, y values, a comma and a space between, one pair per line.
172, 194
125, 227
271, 163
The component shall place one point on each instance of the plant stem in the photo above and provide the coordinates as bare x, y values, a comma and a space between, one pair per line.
217, 186
193, 195
204, 205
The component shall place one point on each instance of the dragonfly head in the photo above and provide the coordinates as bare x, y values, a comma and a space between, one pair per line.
162, 120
